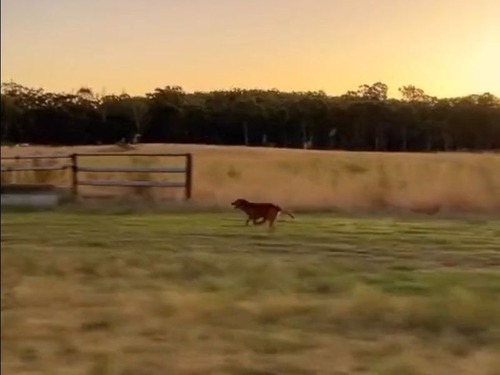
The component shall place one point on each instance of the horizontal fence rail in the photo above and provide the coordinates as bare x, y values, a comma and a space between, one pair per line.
75, 168
37, 168
134, 169
35, 157
179, 155
131, 183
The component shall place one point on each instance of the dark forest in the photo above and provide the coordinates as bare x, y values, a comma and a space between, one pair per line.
364, 119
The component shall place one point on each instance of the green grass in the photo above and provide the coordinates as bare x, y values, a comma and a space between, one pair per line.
200, 293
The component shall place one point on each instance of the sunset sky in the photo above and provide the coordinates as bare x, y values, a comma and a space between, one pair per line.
446, 47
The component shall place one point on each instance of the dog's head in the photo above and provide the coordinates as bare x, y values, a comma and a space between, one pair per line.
240, 202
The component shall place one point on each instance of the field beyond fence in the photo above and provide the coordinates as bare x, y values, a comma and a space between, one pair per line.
336, 180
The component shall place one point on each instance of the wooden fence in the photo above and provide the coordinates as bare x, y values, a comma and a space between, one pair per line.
73, 163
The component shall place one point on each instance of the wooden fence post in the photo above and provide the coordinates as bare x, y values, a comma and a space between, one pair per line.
74, 176
189, 176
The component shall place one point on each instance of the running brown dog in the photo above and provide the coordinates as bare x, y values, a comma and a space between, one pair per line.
264, 211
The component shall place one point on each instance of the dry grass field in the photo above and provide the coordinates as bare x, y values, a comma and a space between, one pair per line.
199, 293
348, 181
122, 290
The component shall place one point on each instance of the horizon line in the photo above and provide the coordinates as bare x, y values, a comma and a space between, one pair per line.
103, 91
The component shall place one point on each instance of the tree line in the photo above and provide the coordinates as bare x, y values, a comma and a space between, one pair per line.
363, 119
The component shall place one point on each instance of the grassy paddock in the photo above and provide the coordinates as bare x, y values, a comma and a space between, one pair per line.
200, 293
354, 181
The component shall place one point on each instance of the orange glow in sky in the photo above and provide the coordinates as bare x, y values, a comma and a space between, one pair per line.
446, 47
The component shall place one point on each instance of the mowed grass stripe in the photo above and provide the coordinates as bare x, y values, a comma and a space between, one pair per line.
370, 238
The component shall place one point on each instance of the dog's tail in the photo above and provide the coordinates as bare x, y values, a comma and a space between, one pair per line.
285, 212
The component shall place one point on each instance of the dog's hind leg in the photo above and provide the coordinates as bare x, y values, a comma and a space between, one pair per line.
272, 217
